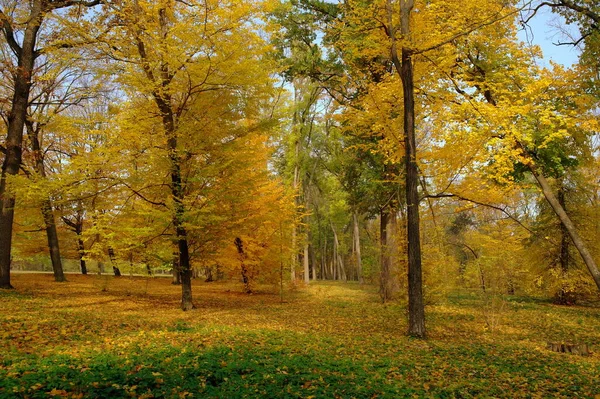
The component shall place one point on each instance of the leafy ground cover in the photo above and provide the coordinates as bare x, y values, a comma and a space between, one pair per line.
100, 337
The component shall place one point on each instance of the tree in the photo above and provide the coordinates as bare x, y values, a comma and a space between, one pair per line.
200, 81
26, 52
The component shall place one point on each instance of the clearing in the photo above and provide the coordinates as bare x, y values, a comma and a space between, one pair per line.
100, 337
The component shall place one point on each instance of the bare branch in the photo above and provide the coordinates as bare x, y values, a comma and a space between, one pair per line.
55, 5
498, 208
9, 34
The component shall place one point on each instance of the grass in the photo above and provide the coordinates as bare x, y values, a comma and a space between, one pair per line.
98, 337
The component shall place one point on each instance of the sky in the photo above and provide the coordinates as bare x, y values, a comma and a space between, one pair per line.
546, 29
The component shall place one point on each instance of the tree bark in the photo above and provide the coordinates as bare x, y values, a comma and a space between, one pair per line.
384, 273
245, 278
562, 296
416, 305
357, 249
47, 212
113, 262
176, 271
52, 237
306, 263
313, 261
339, 260
324, 269
14, 138
564, 236
568, 224
81, 252
77, 227
296, 181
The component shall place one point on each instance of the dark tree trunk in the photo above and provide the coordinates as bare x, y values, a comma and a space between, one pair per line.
14, 137
186, 272
416, 305
384, 274
113, 262
245, 278
176, 270
564, 236
81, 251
184, 254
482, 280
324, 271
52, 236
562, 296
209, 275
357, 248
47, 212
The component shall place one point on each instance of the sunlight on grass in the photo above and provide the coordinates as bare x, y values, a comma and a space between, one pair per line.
128, 339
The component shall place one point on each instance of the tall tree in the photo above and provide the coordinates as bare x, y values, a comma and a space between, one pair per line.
24, 48
200, 81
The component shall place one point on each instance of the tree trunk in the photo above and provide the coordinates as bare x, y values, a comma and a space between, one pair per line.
186, 270
245, 278
14, 137
313, 261
416, 305
562, 296
393, 252
324, 271
339, 260
81, 253
384, 273
568, 224
113, 262
209, 274
357, 249
176, 271
163, 101
564, 235
306, 265
52, 237
296, 126
482, 279
47, 212
334, 258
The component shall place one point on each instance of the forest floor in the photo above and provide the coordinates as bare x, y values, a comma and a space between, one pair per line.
101, 337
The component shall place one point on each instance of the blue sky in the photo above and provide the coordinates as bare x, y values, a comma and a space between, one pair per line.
546, 29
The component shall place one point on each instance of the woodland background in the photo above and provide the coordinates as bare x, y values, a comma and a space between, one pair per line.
417, 146
317, 179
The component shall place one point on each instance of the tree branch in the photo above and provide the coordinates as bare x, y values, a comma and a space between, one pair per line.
69, 222
55, 5
9, 34
467, 32
498, 208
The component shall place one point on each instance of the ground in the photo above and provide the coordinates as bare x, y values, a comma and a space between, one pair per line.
101, 337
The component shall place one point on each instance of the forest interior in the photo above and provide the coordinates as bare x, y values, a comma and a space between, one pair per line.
299, 199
